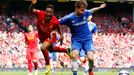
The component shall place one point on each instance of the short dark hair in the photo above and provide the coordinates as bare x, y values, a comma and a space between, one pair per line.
50, 6
81, 2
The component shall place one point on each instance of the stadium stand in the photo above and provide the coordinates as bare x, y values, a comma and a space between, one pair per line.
114, 42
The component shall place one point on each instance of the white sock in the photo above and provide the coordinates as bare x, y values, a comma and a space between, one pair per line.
75, 65
36, 72
29, 73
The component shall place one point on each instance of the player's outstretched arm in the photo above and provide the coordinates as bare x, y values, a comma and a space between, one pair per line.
17, 21
98, 8
31, 7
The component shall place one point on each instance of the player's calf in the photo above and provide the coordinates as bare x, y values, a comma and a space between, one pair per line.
90, 55
75, 66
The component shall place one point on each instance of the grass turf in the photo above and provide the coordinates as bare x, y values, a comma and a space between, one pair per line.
59, 73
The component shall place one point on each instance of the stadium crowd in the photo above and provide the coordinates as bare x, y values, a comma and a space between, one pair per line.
114, 42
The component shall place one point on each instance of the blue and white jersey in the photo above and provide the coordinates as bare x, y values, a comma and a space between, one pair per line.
92, 27
78, 25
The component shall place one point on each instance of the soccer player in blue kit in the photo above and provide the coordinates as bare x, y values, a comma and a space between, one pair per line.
81, 37
82, 56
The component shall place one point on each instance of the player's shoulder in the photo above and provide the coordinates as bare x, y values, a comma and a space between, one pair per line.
26, 34
35, 32
40, 11
71, 14
55, 19
88, 12
68, 16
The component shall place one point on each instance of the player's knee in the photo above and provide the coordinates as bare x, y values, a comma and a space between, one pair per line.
90, 56
43, 48
34, 60
75, 54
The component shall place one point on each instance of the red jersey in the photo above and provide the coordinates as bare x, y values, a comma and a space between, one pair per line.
31, 39
45, 28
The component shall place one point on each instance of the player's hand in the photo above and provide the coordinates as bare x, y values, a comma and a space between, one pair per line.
61, 40
103, 5
52, 34
34, 1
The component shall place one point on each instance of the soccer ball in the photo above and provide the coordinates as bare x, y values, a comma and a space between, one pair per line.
123, 72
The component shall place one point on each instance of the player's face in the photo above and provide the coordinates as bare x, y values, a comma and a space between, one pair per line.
49, 13
30, 28
80, 10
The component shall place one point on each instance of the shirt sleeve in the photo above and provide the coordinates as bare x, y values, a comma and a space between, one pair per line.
64, 20
56, 22
89, 12
38, 12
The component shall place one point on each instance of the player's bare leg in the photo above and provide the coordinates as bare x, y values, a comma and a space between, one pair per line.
44, 49
90, 57
75, 55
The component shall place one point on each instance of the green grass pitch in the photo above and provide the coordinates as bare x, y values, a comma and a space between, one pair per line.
59, 73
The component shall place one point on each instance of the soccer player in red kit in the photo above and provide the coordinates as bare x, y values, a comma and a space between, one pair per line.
31, 38
47, 26
32, 47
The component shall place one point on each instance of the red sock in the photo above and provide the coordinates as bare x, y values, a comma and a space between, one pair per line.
90, 72
35, 65
30, 65
59, 49
46, 56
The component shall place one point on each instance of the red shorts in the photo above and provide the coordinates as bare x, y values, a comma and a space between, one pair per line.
52, 39
31, 54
